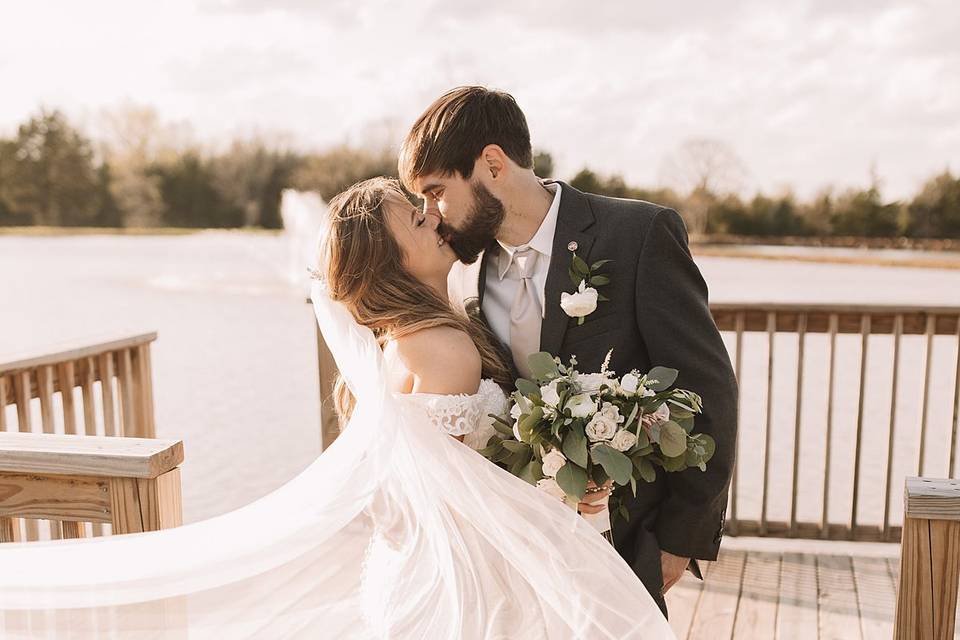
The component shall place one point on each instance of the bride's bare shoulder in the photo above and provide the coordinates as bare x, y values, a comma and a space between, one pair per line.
441, 360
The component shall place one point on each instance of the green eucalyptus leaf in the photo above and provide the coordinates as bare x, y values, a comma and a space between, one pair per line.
528, 424
673, 439
575, 447
542, 366
664, 377
646, 470
673, 464
686, 423
616, 464
709, 445
529, 389
515, 446
599, 281
573, 480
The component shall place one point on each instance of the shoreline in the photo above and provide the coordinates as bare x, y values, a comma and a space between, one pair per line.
942, 254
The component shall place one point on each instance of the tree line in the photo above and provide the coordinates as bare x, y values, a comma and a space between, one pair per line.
141, 173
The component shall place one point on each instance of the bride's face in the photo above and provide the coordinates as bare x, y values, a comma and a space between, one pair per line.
425, 254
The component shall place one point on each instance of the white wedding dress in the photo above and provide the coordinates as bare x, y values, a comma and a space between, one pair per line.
396, 531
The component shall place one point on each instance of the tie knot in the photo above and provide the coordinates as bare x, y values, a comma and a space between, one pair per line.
526, 261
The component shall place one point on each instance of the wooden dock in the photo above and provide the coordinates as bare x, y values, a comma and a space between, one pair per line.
828, 591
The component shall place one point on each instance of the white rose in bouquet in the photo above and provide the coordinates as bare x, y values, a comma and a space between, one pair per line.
623, 440
553, 462
591, 382
629, 384
581, 405
579, 304
550, 487
549, 393
604, 424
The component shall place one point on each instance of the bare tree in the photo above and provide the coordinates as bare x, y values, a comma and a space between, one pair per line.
132, 139
705, 169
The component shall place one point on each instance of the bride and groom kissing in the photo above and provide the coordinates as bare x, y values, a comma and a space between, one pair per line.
477, 278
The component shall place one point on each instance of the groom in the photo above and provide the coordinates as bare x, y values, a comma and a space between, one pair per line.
469, 157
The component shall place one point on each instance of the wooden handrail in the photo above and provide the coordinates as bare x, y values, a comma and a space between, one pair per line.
90, 455
772, 320
133, 484
929, 560
104, 387
61, 352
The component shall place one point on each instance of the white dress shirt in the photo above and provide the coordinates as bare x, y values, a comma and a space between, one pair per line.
500, 290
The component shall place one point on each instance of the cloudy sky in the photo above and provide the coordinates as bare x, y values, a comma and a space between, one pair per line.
806, 93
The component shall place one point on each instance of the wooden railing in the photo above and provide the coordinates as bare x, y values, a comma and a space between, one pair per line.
929, 561
878, 420
798, 364
133, 484
95, 389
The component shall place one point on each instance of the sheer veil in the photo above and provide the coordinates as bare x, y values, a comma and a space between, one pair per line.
396, 530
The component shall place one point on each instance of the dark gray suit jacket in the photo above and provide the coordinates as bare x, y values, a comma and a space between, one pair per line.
658, 314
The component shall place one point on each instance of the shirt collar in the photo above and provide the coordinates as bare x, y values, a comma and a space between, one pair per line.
542, 240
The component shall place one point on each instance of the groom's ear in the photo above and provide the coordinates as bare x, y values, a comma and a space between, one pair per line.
492, 161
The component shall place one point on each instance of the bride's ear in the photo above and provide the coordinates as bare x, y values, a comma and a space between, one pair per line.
493, 161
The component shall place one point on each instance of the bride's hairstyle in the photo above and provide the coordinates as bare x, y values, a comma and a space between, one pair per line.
362, 265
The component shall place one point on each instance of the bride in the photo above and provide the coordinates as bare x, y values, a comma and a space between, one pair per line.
399, 530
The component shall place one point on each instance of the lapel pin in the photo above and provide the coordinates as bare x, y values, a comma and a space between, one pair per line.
572, 245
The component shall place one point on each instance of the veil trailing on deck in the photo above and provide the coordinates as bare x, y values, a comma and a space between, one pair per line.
397, 530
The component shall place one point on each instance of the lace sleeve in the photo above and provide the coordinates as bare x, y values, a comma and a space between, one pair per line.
455, 415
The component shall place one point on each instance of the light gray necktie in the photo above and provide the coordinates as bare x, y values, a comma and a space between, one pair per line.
525, 313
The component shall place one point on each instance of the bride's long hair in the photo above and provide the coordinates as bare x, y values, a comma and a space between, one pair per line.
362, 264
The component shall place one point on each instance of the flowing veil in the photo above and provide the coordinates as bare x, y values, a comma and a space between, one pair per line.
397, 530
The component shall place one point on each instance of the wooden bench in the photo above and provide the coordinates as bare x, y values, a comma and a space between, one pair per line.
132, 484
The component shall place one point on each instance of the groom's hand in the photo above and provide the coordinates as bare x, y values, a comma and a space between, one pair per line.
593, 496
673, 568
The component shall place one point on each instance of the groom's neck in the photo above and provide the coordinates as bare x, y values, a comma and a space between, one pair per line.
526, 206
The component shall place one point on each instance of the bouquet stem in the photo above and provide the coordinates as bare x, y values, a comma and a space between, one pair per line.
599, 521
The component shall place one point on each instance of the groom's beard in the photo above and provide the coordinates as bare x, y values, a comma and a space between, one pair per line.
480, 228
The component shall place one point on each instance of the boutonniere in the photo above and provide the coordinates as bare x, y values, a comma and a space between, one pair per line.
586, 278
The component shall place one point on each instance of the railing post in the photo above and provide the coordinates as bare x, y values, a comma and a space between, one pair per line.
929, 560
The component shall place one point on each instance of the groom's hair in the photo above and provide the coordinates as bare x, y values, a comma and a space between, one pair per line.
450, 135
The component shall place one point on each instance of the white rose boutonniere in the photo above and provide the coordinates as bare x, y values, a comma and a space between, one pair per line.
585, 278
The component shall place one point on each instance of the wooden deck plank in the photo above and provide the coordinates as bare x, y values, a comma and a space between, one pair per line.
717, 611
876, 596
839, 612
683, 599
757, 611
797, 603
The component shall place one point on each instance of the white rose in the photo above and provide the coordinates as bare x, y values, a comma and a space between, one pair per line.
581, 405
516, 430
605, 423
662, 414
600, 428
629, 384
579, 304
550, 486
549, 394
623, 441
591, 381
552, 462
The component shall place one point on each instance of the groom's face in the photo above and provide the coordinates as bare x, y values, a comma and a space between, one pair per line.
470, 215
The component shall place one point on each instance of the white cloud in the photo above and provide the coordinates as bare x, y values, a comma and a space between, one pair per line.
810, 94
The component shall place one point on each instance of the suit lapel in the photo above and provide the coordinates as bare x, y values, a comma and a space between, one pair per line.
573, 222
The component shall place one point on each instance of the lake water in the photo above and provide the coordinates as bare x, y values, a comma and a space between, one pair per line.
235, 363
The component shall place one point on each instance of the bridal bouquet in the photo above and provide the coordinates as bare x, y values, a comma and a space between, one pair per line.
570, 427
